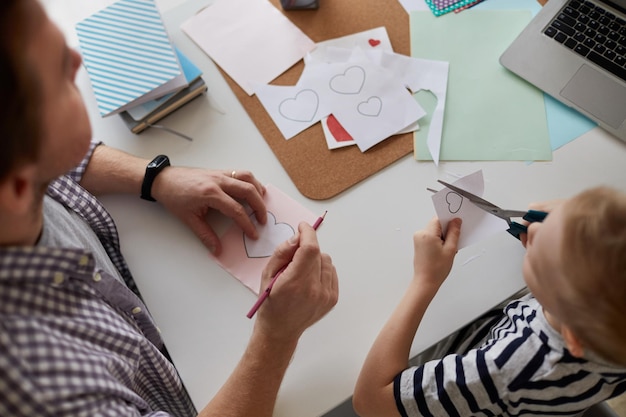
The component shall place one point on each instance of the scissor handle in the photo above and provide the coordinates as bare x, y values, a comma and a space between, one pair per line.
532, 216
535, 216
516, 229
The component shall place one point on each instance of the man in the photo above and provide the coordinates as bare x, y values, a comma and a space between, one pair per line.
75, 338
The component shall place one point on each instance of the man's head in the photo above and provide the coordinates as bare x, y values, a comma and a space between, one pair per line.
576, 267
19, 87
44, 121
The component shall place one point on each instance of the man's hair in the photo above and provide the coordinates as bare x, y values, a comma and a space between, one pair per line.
594, 259
20, 118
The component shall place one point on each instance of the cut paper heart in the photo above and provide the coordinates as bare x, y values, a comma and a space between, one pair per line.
373, 42
371, 107
350, 82
455, 201
302, 108
333, 142
271, 234
339, 133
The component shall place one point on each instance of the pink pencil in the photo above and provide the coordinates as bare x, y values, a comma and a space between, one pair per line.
267, 291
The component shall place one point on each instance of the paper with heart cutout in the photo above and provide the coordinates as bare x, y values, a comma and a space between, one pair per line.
245, 258
477, 223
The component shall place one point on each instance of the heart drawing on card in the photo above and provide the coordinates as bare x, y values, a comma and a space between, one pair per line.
374, 42
350, 82
339, 133
371, 107
301, 108
271, 234
455, 201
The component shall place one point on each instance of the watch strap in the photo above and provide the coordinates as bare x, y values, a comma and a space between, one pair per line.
152, 170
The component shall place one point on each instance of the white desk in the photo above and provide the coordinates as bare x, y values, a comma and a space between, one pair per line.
368, 231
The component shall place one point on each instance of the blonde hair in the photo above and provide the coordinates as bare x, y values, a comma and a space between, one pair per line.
594, 262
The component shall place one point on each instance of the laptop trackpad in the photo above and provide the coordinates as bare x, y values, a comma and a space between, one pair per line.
597, 94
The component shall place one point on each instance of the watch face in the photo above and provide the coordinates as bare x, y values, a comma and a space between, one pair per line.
158, 161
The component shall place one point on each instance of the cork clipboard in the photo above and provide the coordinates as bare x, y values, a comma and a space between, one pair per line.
317, 172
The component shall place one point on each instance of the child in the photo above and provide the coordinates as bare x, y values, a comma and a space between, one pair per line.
556, 351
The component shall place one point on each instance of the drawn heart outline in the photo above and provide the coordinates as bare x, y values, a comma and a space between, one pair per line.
455, 201
371, 107
350, 82
301, 108
271, 234
374, 42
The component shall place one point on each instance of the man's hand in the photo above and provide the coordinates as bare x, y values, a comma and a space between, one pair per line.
190, 193
305, 291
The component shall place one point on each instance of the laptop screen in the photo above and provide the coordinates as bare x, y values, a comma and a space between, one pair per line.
618, 4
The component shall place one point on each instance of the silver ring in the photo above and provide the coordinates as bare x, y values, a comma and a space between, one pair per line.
233, 175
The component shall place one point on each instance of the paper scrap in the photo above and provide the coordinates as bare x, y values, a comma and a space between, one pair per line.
421, 74
369, 101
251, 40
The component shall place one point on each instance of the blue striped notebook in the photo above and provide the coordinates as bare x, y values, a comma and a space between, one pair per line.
128, 55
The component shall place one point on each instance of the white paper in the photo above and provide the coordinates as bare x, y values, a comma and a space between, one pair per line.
293, 108
420, 74
251, 40
374, 39
477, 223
368, 101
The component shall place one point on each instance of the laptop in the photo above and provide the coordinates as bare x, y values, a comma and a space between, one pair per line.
575, 50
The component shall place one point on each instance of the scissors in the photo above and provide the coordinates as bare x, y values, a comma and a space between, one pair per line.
515, 228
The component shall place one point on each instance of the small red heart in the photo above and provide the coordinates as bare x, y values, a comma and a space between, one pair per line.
339, 133
374, 42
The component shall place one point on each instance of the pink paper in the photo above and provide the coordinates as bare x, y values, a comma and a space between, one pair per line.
245, 258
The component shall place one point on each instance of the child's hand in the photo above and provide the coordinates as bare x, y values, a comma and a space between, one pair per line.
434, 255
546, 206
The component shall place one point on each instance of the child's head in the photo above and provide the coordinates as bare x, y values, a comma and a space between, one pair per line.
576, 267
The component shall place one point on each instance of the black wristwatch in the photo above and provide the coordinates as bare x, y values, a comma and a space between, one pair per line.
152, 170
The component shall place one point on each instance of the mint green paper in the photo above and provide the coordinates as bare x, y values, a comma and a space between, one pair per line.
490, 113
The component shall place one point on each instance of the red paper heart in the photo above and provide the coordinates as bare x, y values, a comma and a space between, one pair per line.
374, 42
339, 133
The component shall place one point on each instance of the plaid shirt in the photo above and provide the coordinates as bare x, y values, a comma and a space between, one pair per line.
74, 340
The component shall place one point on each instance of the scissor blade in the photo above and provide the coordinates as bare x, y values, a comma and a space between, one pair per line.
482, 203
512, 213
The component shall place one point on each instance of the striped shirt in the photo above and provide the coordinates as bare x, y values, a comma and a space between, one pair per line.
523, 369
74, 339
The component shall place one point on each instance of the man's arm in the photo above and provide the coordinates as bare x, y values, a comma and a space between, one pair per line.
111, 171
187, 193
306, 291
373, 395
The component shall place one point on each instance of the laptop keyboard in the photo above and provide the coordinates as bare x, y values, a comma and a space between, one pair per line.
593, 32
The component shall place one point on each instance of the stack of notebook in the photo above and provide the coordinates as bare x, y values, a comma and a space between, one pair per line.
134, 68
